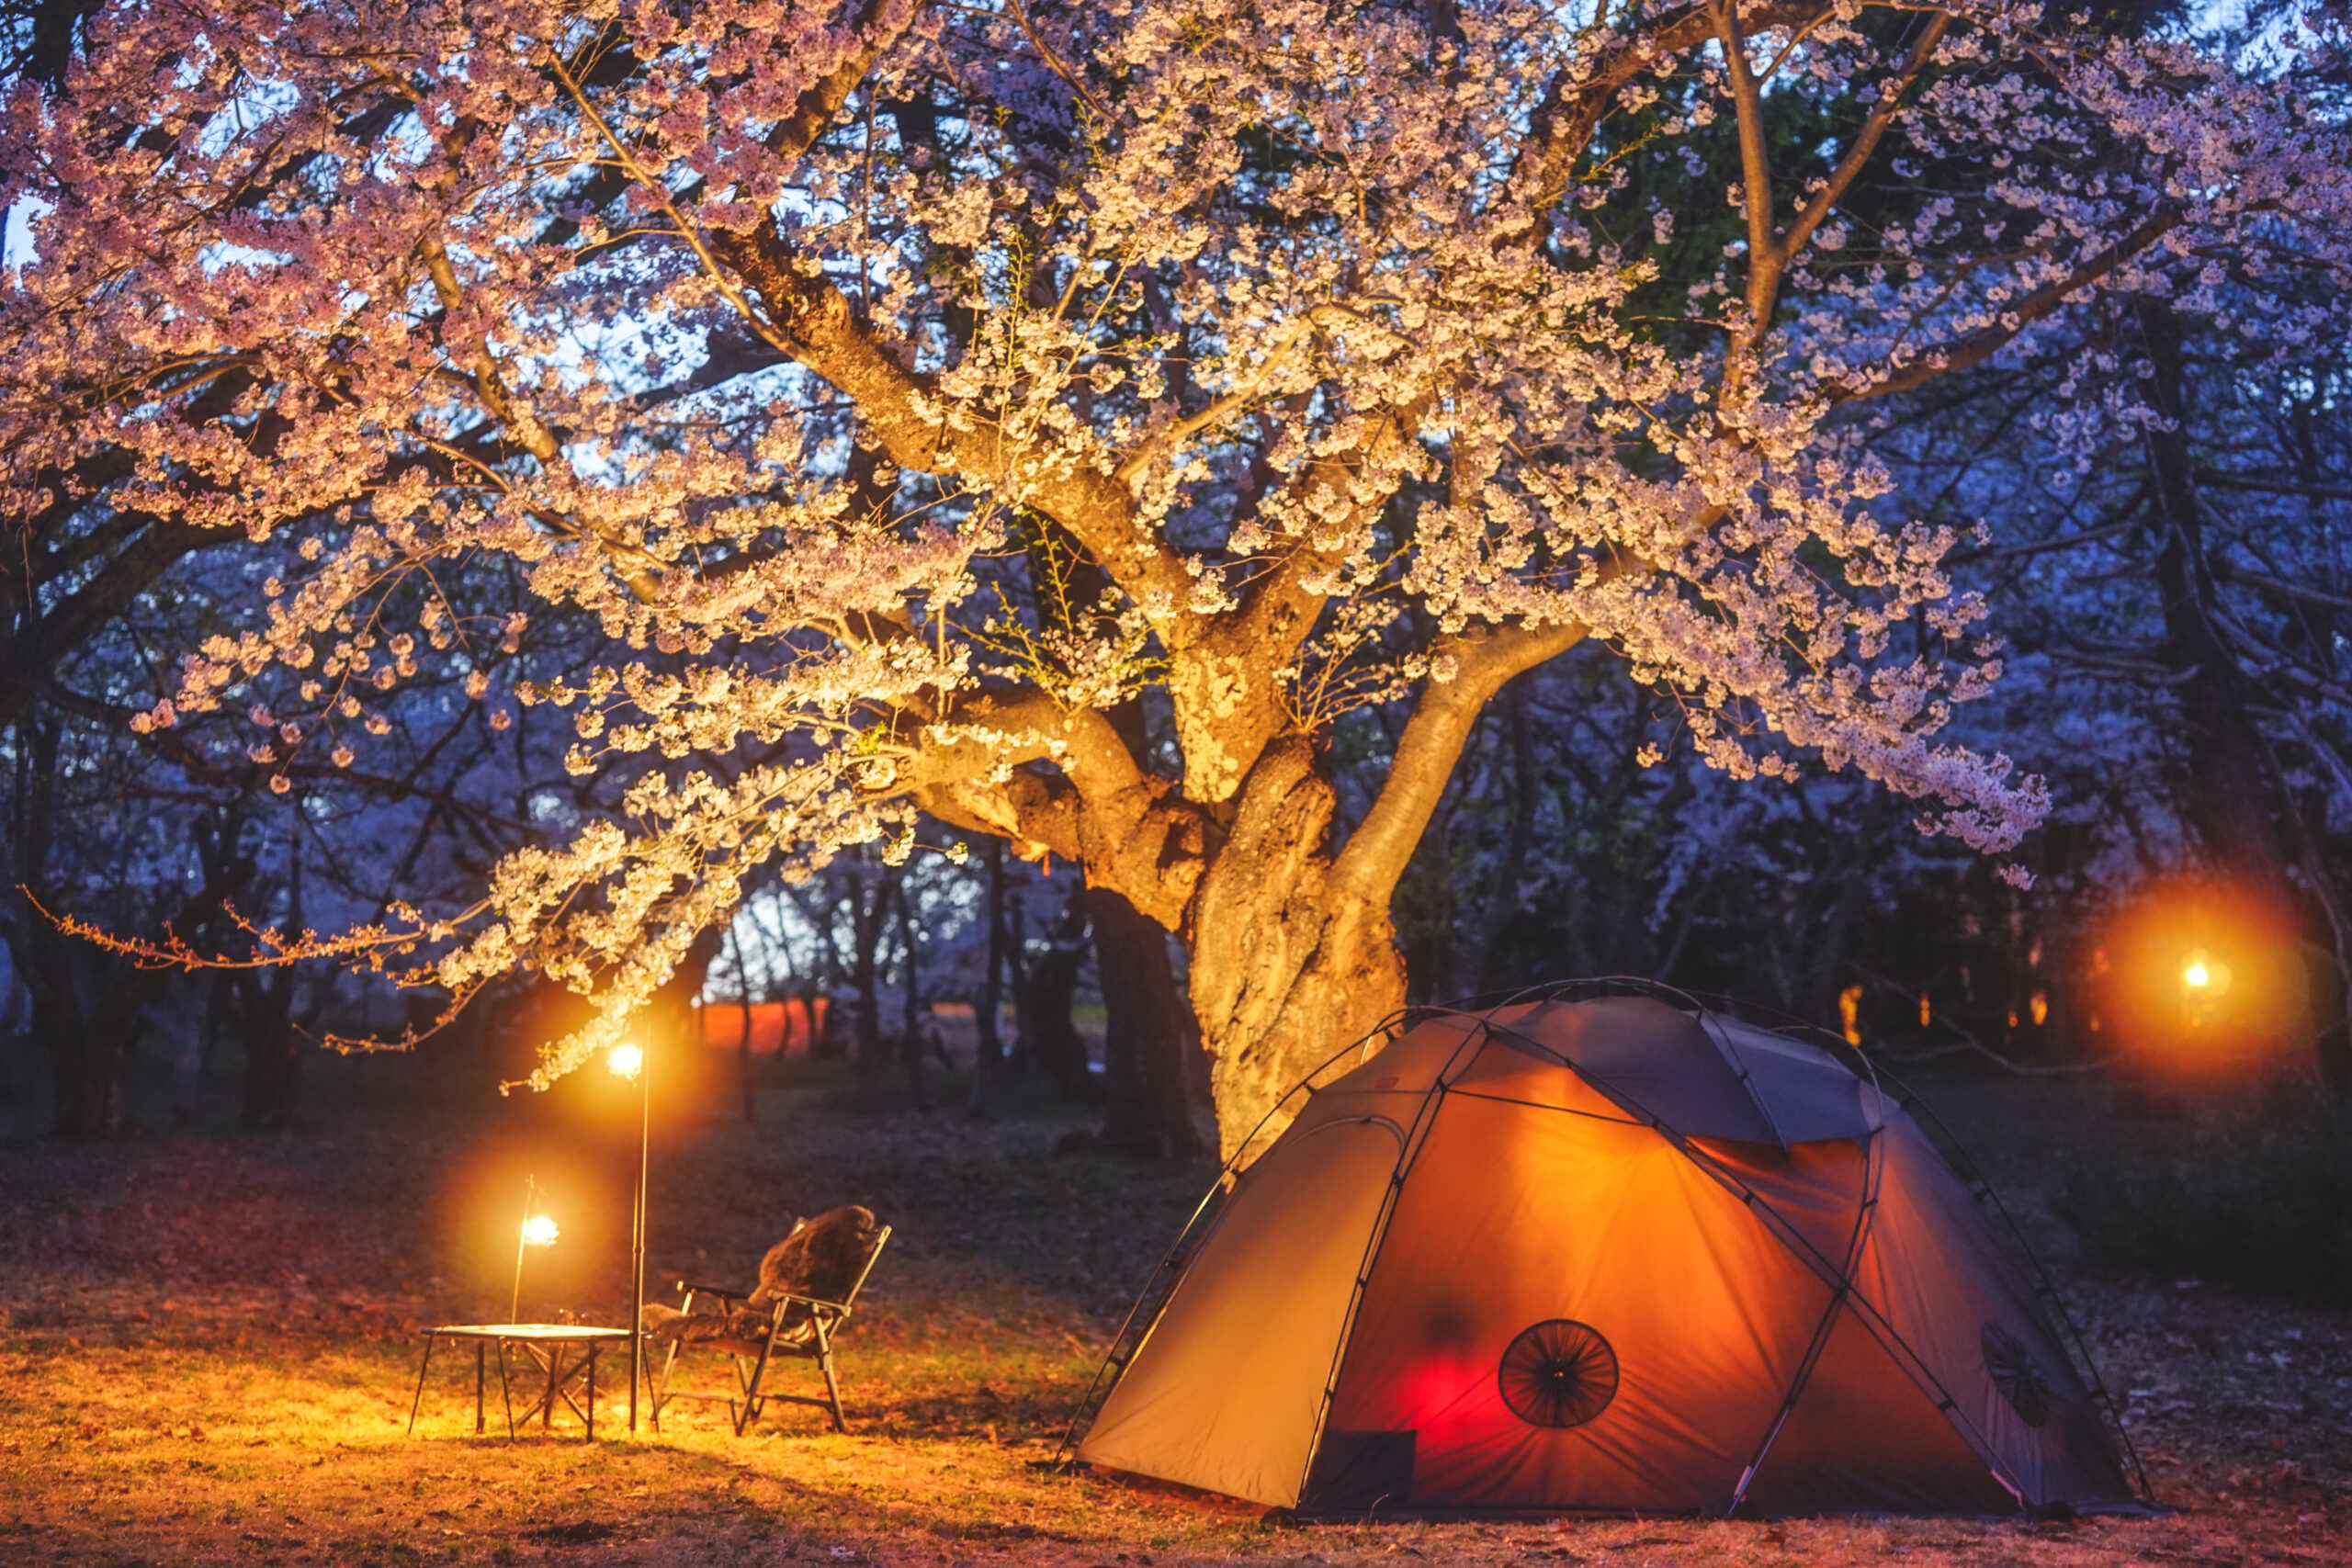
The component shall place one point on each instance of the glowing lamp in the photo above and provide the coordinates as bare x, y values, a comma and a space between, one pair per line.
625, 1060
2204, 975
539, 1230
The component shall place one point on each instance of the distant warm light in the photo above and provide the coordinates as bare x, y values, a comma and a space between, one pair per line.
2203, 973
2037, 1008
1927, 1014
2204, 979
539, 1231
1849, 1013
627, 1060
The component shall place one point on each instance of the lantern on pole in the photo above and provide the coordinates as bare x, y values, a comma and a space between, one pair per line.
537, 1230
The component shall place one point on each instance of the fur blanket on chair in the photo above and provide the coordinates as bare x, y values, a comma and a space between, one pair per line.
820, 1259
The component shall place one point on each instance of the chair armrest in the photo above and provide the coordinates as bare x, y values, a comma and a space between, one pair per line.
787, 1297
720, 1291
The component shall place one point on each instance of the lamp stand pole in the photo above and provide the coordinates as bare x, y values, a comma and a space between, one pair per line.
522, 1244
637, 1230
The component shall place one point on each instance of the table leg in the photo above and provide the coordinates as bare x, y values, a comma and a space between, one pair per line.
420, 1385
547, 1410
481, 1353
506, 1390
592, 1391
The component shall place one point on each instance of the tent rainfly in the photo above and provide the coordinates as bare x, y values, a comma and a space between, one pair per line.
1610, 1255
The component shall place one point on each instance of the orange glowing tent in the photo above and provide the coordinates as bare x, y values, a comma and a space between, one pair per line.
1619, 1254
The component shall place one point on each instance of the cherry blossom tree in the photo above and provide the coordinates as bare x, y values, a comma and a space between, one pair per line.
1057, 418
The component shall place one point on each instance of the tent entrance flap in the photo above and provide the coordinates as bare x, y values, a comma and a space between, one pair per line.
1224, 1392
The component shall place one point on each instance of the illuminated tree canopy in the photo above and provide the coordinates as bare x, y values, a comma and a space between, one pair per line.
1061, 422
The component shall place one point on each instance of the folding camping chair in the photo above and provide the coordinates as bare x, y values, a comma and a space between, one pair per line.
811, 1339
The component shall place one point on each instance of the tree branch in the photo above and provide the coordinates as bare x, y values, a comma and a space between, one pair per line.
1985, 342
1574, 107
1764, 259
1485, 659
1858, 152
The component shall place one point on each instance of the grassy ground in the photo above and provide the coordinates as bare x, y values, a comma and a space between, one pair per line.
206, 1356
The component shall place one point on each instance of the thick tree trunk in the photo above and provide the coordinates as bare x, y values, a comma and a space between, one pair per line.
743, 1087
2232, 790
910, 1042
86, 1045
1287, 967
1049, 1037
82, 1060
2236, 797
1148, 1100
272, 1046
868, 919
988, 1052
273, 1051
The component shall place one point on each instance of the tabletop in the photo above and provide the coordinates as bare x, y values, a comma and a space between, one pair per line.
565, 1331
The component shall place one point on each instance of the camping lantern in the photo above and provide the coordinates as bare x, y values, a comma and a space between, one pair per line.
539, 1230
627, 1060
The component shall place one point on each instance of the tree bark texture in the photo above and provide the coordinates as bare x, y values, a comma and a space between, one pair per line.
273, 1049
273, 1045
1049, 1035
1149, 1105
869, 915
911, 1041
1288, 964
988, 1049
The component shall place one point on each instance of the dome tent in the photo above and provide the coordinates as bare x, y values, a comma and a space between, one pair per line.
1616, 1254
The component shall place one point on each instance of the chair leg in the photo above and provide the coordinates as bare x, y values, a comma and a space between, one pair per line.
825, 1365
752, 1400
506, 1390
662, 1383
420, 1385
